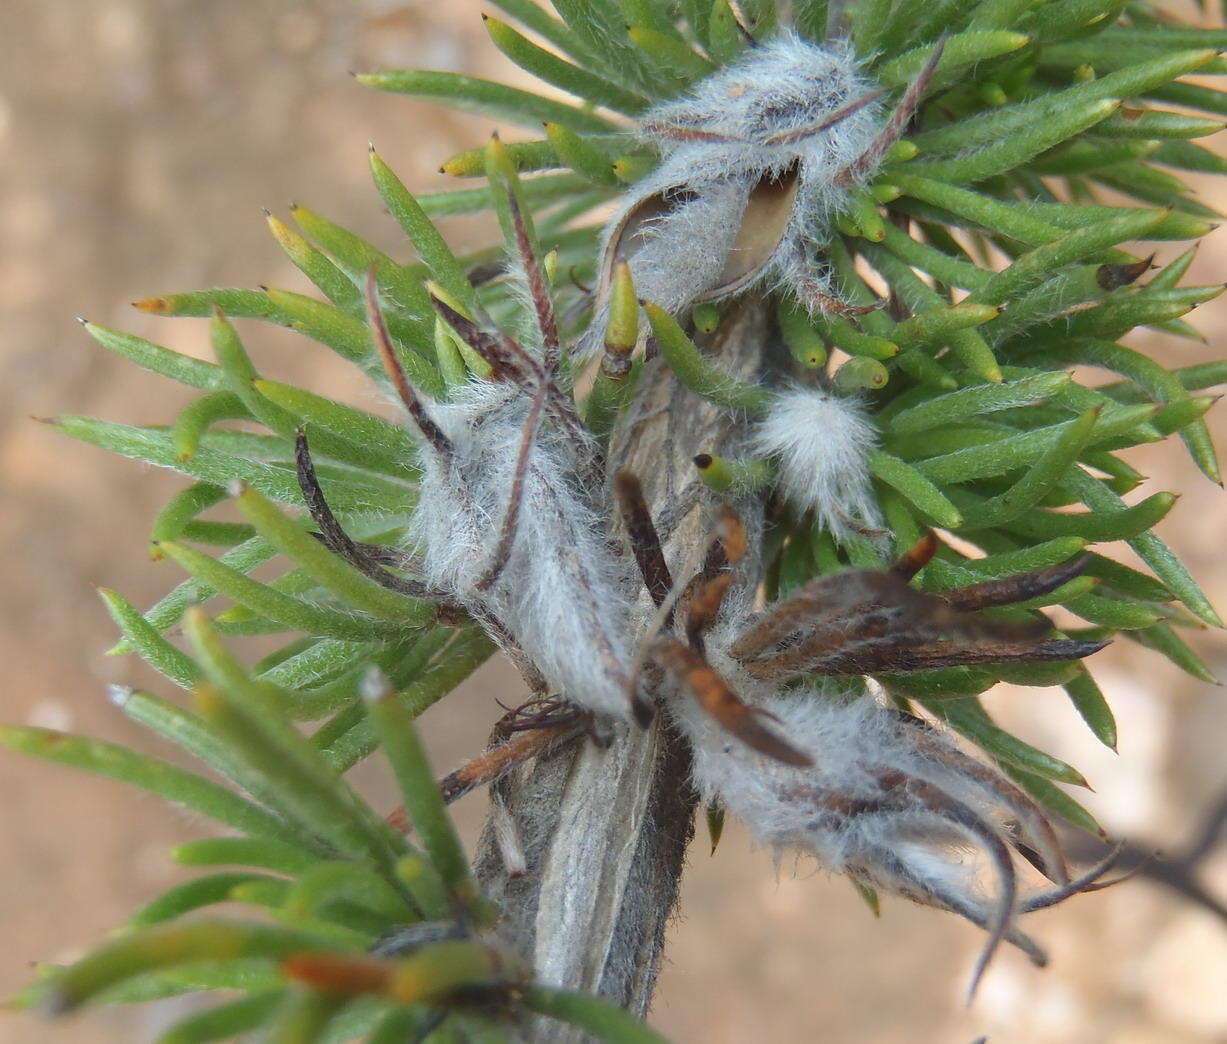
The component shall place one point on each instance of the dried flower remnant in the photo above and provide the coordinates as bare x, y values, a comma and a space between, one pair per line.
495, 462
756, 161
868, 791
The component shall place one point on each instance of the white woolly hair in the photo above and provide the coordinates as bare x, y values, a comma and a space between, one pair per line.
786, 84
821, 443
682, 252
786, 808
562, 595
783, 85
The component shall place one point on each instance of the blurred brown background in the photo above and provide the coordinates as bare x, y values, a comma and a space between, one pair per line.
139, 140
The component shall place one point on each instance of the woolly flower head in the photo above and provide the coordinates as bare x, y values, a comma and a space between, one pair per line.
755, 160
561, 589
892, 805
765, 112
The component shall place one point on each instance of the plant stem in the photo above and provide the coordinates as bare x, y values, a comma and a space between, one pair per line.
605, 831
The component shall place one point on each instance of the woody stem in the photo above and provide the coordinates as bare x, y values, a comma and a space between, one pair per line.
604, 831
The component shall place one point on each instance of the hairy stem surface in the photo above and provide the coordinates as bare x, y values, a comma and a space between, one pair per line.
605, 831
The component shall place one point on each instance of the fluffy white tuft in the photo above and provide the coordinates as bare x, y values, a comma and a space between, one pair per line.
562, 595
821, 444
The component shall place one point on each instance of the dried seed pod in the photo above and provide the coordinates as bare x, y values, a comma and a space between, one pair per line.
558, 591
755, 161
889, 802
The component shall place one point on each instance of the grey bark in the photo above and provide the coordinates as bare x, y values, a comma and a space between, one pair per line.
605, 831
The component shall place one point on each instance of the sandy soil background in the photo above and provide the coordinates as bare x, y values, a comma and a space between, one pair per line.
139, 140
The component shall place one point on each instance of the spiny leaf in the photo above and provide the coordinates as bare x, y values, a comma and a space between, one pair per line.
243, 851
1011, 152
696, 373
348, 491
315, 265
419, 792
1163, 639
976, 401
1090, 703
916, 488
959, 50
996, 125
148, 641
182, 368
223, 1021
192, 895
969, 718
304, 787
355, 739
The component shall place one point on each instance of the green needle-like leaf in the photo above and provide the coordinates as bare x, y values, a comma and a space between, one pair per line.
182, 368
916, 488
585, 159
148, 642
697, 373
405, 752
430, 245
969, 718
224, 1021
244, 851
960, 50
170, 783
388, 445
318, 802
551, 69
1040, 478
1089, 701
604, 1021
976, 401
486, 98
1000, 124
1153, 551
1012, 152
348, 492
316, 266
1054, 799
1164, 640
193, 895
196, 418
468, 651
1037, 265
328, 570
264, 600
169, 946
